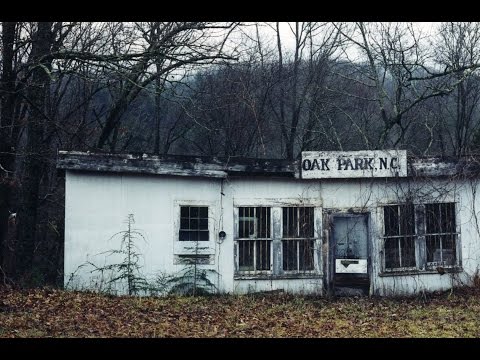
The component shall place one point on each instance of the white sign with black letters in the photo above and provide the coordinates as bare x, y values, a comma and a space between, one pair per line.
353, 164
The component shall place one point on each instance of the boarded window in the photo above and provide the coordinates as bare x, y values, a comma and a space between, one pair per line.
193, 223
254, 243
193, 259
399, 236
298, 243
441, 234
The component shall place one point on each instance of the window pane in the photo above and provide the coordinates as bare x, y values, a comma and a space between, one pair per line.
390, 217
449, 241
449, 249
306, 222
193, 211
289, 248
433, 221
407, 245
194, 224
203, 212
184, 224
263, 222
203, 236
294, 222
440, 218
263, 254
392, 258
441, 249
448, 218
184, 235
289, 230
407, 219
193, 236
245, 255
203, 224
434, 252
242, 212
298, 222
254, 222
306, 253
246, 228
184, 211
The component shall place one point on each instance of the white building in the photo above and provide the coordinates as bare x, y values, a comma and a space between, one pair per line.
331, 223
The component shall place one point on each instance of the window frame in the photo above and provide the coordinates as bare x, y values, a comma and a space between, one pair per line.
397, 238
254, 240
420, 238
297, 240
194, 247
457, 233
190, 218
276, 228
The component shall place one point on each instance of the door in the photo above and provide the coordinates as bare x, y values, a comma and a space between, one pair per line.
350, 254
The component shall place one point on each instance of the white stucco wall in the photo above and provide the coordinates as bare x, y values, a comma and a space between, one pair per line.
97, 205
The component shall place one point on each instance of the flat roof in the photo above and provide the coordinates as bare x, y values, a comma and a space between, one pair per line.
223, 167
178, 165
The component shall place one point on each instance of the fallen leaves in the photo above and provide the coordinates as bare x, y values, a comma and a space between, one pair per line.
56, 313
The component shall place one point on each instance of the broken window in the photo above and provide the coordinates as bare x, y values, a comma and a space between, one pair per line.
193, 223
254, 243
298, 241
399, 236
440, 234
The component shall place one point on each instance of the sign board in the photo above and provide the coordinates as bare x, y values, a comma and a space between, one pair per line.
353, 164
351, 266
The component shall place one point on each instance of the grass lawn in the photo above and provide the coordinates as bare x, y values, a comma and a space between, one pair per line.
56, 313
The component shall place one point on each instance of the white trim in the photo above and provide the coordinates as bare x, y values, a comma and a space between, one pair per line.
276, 202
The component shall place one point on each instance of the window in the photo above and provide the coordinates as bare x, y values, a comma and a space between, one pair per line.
430, 228
193, 223
298, 241
440, 234
277, 241
254, 239
399, 236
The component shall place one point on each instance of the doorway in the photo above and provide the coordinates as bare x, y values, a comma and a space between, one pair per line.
350, 255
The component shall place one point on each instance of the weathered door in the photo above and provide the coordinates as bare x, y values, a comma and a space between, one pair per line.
350, 254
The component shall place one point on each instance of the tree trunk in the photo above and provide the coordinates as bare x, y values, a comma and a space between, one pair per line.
7, 151
36, 95
156, 148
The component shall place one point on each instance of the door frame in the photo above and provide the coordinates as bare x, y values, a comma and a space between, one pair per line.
330, 217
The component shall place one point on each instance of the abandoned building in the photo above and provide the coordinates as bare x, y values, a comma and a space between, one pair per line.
370, 222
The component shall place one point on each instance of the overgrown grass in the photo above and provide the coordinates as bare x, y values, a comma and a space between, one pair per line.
55, 313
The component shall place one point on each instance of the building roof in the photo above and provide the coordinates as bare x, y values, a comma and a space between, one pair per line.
178, 165
222, 167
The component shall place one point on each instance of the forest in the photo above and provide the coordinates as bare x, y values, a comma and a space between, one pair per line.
257, 90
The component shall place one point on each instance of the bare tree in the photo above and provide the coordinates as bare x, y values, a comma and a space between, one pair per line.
300, 78
394, 61
177, 45
459, 47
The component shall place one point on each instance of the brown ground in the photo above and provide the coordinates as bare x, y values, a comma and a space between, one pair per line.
56, 313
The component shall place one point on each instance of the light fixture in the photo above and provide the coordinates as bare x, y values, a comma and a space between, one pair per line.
222, 235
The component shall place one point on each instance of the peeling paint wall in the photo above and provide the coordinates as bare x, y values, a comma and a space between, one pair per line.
97, 205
